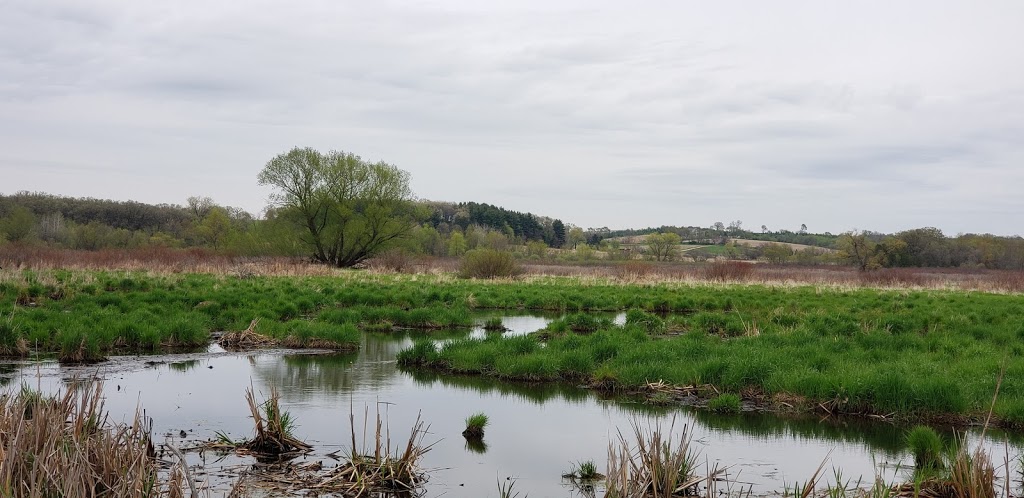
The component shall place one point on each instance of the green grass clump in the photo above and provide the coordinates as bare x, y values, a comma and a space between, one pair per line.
650, 322
586, 322
927, 448
306, 334
584, 470
475, 425
725, 403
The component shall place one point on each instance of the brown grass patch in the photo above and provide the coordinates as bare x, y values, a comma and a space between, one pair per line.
728, 271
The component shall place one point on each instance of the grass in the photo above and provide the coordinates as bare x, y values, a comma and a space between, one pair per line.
913, 353
64, 445
584, 470
725, 403
475, 425
927, 448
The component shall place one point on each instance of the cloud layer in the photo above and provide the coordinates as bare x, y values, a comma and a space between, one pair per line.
861, 115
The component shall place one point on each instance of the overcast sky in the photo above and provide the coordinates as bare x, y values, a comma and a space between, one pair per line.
872, 115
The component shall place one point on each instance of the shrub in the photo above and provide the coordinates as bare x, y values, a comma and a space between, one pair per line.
631, 270
723, 271
488, 263
394, 260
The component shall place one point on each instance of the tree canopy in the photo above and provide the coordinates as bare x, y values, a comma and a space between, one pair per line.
349, 208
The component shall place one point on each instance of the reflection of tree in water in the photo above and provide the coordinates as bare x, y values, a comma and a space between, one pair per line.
305, 377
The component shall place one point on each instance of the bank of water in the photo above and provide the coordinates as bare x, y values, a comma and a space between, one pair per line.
536, 432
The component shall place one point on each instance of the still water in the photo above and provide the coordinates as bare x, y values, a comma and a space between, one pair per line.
535, 434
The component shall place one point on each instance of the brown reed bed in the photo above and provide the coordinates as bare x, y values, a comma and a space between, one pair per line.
64, 445
162, 260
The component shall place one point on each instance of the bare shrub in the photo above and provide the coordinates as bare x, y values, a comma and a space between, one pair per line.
728, 271
633, 270
1011, 281
393, 260
488, 263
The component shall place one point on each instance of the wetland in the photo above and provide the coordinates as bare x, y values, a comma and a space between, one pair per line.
572, 365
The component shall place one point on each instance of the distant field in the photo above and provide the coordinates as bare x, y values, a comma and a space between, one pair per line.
795, 247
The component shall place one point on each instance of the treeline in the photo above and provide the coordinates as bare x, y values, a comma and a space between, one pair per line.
523, 227
929, 247
718, 234
92, 224
443, 228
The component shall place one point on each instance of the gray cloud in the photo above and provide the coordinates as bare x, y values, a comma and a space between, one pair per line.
868, 115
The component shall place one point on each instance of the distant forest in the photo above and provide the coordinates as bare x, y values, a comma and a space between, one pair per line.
451, 229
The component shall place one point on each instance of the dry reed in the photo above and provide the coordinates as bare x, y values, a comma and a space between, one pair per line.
64, 445
656, 466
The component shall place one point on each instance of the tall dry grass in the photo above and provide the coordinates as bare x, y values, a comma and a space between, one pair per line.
64, 445
658, 464
200, 260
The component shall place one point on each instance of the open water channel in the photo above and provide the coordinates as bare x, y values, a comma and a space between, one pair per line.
536, 432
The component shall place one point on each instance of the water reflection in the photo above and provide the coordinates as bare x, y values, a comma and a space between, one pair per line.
476, 445
183, 366
883, 438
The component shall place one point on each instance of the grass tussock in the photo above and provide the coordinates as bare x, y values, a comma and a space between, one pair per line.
494, 324
927, 448
12, 344
273, 431
725, 403
585, 470
657, 464
377, 466
475, 425
64, 445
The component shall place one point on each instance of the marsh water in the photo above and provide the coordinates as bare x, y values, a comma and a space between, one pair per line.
536, 432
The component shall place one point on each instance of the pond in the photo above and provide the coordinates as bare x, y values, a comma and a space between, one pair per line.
536, 432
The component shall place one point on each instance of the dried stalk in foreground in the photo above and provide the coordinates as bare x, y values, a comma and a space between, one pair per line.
64, 445
657, 466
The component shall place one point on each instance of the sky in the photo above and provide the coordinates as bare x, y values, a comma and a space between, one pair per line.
880, 116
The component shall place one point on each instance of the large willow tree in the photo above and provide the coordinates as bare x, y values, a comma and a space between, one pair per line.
348, 208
